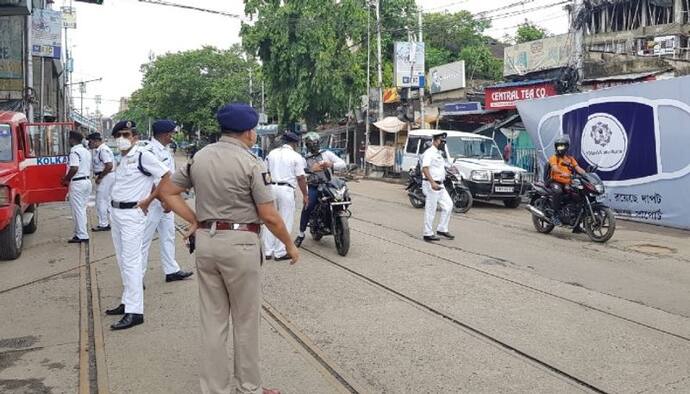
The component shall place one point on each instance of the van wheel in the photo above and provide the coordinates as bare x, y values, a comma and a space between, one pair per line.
33, 224
513, 202
12, 237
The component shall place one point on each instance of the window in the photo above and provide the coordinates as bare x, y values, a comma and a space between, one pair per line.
424, 144
412, 144
476, 148
49, 140
5, 143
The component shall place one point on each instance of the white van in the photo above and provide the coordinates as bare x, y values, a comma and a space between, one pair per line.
478, 160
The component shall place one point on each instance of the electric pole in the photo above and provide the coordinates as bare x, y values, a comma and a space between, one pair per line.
421, 88
366, 120
380, 73
579, 41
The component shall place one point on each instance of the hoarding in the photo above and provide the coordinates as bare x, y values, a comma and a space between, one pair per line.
408, 65
11, 67
506, 96
545, 54
447, 77
46, 33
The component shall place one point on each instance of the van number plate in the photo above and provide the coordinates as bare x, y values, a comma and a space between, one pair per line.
504, 189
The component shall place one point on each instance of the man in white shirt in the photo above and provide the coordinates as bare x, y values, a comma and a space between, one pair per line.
286, 167
103, 166
134, 179
434, 174
157, 218
318, 162
78, 178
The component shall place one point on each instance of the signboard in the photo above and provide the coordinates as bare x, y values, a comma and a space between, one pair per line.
15, 7
69, 17
470, 106
447, 77
506, 96
11, 66
46, 33
545, 54
408, 66
632, 134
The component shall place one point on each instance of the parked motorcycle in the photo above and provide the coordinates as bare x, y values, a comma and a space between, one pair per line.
330, 217
579, 210
459, 193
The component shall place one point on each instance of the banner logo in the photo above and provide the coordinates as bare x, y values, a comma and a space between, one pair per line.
604, 142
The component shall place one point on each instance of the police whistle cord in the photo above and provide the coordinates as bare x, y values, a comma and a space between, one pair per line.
508, 280
439, 314
302, 342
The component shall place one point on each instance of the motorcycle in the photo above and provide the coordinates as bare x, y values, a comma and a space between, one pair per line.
331, 214
579, 211
459, 193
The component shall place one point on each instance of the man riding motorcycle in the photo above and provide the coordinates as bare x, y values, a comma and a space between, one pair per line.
318, 162
562, 166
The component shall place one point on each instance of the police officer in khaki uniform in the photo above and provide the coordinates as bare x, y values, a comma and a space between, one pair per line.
233, 198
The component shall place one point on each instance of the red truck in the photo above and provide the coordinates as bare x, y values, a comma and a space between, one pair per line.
33, 158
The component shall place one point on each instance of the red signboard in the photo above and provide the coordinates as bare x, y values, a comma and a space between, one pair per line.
505, 97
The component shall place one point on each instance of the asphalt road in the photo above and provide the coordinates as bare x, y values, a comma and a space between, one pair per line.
499, 309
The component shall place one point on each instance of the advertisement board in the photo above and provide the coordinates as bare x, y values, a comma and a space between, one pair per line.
408, 65
11, 66
634, 134
545, 54
69, 17
46, 33
506, 96
447, 77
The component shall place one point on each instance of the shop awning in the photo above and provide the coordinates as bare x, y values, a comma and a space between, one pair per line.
390, 124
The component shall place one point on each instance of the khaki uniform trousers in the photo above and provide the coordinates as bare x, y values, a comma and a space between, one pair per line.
229, 269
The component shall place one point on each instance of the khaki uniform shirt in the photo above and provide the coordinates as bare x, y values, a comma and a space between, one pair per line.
229, 181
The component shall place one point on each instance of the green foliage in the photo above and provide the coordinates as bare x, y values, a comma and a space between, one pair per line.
454, 32
529, 32
190, 86
480, 63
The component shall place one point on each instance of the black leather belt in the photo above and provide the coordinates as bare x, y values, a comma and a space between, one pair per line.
223, 225
98, 173
282, 184
123, 205
81, 178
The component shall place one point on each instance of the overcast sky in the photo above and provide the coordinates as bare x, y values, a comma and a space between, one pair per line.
113, 40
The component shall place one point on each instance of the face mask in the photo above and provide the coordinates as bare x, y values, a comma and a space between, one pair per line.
442, 146
123, 143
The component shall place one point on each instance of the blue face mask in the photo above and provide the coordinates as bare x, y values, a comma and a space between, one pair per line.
619, 135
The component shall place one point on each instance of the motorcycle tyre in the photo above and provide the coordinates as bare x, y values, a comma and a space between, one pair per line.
415, 201
540, 225
341, 234
468, 201
612, 225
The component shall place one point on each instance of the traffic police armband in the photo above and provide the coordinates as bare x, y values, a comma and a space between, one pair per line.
267, 178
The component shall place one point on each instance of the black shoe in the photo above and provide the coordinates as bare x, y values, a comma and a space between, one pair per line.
119, 310
99, 228
75, 240
128, 321
446, 234
268, 257
179, 275
431, 238
283, 258
578, 230
298, 240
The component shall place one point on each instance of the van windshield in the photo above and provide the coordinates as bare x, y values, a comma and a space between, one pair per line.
5, 143
474, 148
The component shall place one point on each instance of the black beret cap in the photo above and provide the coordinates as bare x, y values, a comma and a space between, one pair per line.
94, 136
163, 126
290, 137
124, 125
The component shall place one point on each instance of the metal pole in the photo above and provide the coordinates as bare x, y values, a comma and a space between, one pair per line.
251, 91
29, 67
366, 119
579, 40
421, 88
263, 102
42, 96
66, 80
82, 88
380, 79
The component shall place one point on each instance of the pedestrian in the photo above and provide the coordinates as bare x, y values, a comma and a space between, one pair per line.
362, 153
157, 219
78, 178
434, 172
232, 198
104, 177
286, 167
318, 162
134, 179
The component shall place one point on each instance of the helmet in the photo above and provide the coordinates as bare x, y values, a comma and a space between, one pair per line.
313, 142
561, 145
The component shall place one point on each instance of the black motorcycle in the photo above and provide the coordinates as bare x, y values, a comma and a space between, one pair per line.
331, 214
459, 193
579, 209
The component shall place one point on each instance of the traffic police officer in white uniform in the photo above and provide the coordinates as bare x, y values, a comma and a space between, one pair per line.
103, 166
134, 179
434, 172
79, 179
286, 167
156, 218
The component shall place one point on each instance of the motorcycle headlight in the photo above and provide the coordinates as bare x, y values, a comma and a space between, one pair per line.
4, 195
339, 194
481, 176
599, 188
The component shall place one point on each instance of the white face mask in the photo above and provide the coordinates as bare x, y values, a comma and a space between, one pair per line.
123, 143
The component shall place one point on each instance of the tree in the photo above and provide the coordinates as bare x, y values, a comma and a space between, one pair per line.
190, 86
454, 32
480, 63
529, 32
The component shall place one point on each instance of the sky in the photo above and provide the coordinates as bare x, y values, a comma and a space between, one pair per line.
113, 40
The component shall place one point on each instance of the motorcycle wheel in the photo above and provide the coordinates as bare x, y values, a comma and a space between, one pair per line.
342, 235
316, 236
601, 227
416, 202
541, 225
462, 201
